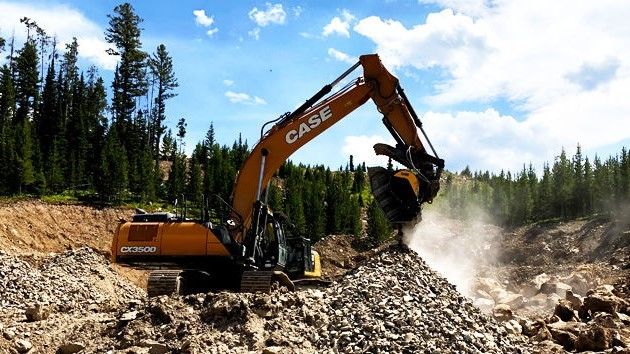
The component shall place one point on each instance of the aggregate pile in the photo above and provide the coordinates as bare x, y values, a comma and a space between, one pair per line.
76, 280
392, 303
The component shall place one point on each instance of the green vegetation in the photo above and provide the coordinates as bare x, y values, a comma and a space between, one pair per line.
378, 229
569, 188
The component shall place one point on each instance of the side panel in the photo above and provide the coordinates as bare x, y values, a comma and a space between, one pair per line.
183, 238
152, 240
317, 267
214, 247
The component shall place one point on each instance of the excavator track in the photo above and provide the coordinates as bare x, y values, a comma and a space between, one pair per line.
256, 281
260, 281
380, 182
163, 282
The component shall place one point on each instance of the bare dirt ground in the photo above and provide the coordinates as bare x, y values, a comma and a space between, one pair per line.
529, 269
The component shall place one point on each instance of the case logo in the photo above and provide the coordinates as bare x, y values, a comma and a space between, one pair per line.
312, 122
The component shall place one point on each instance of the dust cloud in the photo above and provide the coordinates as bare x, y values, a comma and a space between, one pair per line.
457, 249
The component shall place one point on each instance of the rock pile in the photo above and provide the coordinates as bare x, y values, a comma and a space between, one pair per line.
76, 280
537, 295
393, 303
600, 321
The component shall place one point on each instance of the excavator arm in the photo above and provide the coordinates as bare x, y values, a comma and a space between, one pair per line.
399, 193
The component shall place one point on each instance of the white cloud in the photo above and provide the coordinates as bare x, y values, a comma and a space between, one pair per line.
467, 7
306, 35
203, 20
486, 140
339, 25
243, 98
297, 11
228, 82
361, 148
273, 14
212, 31
448, 40
564, 65
61, 21
254, 33
341, 56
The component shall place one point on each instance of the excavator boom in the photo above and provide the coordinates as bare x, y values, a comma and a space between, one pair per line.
318, 114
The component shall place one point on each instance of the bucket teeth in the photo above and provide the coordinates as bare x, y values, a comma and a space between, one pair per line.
397, 211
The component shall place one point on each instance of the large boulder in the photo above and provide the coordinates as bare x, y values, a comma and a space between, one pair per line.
601, 303
564, 310
575, 300
555, 287
579, 283
566, 333
595, 338
503, 313
515, 301
22, 346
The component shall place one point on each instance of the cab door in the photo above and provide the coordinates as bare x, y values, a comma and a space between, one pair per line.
282, 245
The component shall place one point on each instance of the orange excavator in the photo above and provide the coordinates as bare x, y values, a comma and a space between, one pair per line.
254, 246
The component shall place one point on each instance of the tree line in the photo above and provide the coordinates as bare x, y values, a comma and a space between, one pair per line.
55, 131
570, 187
59, 132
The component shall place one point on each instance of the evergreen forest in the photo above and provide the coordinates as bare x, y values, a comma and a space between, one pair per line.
65, 130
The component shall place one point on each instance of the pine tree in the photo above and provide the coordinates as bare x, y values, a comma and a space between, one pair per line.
161, 65
124, 33
96, 123
194, 186
114, 168
8, 174
358, 181
27, 94
169, 147
562, 182
176, 183
378, 228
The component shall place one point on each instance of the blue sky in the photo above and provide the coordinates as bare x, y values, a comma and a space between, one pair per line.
498, 84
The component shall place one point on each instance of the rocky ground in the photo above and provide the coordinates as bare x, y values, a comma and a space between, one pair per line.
539, 280
385, 300
391, 303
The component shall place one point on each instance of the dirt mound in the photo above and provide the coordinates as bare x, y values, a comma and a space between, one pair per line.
38, 227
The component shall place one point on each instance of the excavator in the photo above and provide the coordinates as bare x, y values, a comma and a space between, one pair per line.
253, 247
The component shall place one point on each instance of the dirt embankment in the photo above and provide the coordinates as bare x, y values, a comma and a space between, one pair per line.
38, 228
34, 228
